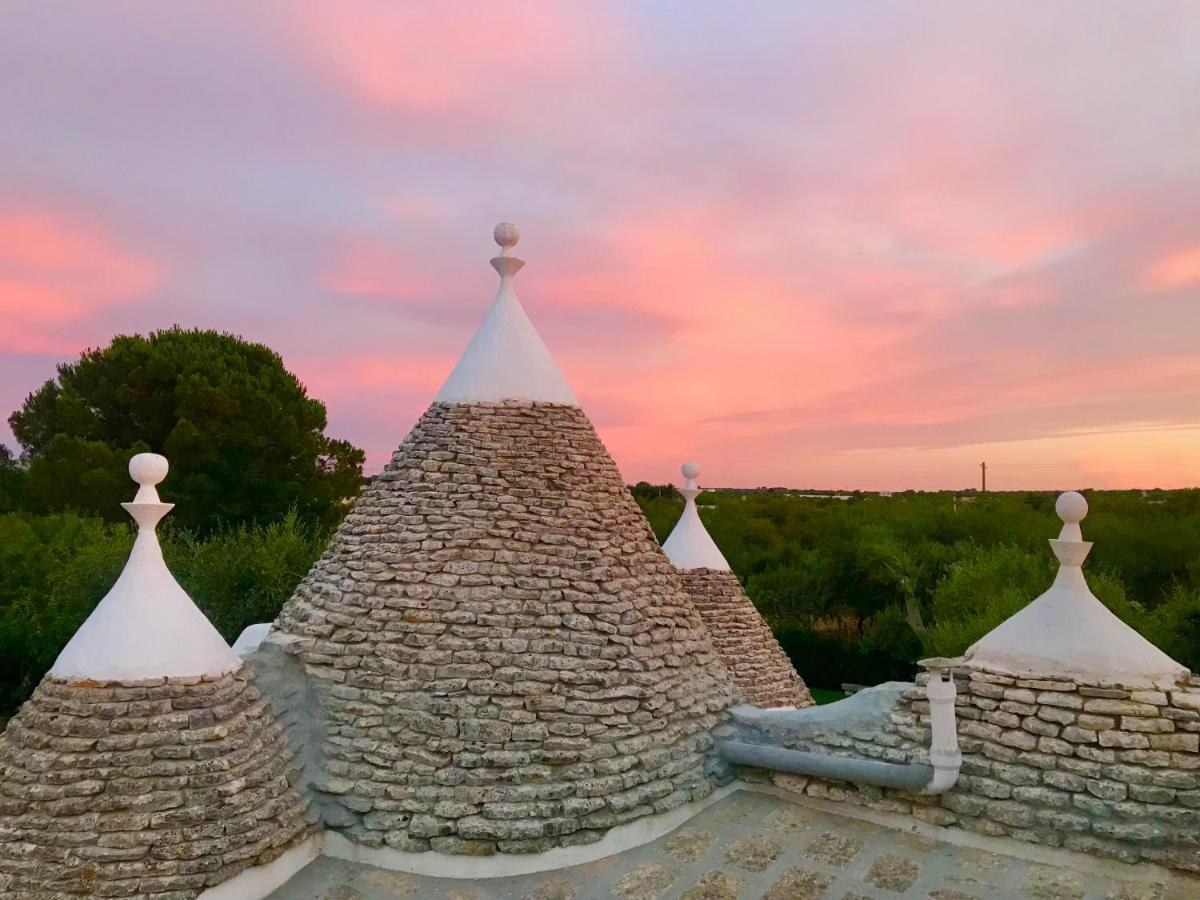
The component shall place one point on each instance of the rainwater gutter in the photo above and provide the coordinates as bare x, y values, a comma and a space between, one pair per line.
939, 776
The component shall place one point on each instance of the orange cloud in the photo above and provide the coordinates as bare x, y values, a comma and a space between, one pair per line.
54, 272
1173, 271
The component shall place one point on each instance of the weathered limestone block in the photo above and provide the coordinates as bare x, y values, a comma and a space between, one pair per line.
160, 787
744, 641
1120, 780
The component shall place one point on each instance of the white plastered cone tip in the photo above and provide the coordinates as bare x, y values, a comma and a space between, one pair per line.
146, 626
690, 546
1067, 631
506, 358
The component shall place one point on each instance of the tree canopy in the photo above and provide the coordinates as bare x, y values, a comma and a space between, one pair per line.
245, 441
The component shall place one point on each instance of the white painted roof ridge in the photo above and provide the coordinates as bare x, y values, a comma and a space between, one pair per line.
146, 626
1067, 631
506, 359
690, 546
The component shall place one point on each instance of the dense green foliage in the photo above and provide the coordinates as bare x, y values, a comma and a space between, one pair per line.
245, 441
54, 569
257, 483
858, 590
838, 581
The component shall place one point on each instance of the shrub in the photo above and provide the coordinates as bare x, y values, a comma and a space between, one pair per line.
243, 575
55, 569
991, 584
827, 661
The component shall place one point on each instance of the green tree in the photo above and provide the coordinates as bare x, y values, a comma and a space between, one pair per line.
245, 441
12, 481
54, 569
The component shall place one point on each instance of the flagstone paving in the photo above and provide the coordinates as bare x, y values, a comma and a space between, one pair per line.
752, 845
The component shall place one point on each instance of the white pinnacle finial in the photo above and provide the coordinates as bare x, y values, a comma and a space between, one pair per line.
146, 626
506, 359
506, 234
1071, 507
691, 471
1067, 632
148, 470
689, 545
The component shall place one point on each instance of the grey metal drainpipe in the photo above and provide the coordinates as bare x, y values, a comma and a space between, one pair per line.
936, 778
910, 777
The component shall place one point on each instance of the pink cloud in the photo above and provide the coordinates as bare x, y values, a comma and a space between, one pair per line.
809, 244
432, 58
56, 272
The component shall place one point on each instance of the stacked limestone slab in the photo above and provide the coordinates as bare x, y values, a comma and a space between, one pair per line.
150, 787
117, 783
1111, 770
746, 644
499, 656
1099, 751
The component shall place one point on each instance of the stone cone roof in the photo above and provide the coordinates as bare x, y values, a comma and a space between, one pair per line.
497, 655
1068, 633
744, 641
503, 657
145, 763
158, 787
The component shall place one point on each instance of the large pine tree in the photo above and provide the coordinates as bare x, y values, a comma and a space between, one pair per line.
245, 441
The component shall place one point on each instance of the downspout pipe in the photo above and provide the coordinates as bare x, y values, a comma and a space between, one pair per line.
944, 755
936, 778
911, 777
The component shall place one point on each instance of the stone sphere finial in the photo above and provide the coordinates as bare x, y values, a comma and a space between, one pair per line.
148, 469
1071, 507
506, 234
690, 470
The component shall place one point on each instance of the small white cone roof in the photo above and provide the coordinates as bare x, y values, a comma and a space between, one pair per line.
506, 359
1067, 631
690, 546
146, 626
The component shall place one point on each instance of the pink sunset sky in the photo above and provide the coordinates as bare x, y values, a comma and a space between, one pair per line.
810, 244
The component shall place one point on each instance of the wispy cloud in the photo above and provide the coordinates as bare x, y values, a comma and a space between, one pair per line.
808, 243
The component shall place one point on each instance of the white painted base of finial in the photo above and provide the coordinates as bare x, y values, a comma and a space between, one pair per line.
1067, 631
690, 546
506, 358
146, 626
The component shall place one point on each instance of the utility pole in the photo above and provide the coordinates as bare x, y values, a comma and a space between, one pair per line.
983, 473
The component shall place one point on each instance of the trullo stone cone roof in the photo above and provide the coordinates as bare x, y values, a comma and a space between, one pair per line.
1067, 632
501, 656
745, 642
134, 772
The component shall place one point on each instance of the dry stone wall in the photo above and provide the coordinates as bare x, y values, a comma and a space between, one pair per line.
744, 641
505, 659
157, 788
1108, 769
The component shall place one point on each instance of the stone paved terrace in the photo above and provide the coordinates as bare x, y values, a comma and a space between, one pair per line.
753, 844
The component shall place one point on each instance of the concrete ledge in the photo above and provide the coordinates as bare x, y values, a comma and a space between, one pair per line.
260, 881
617, 840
